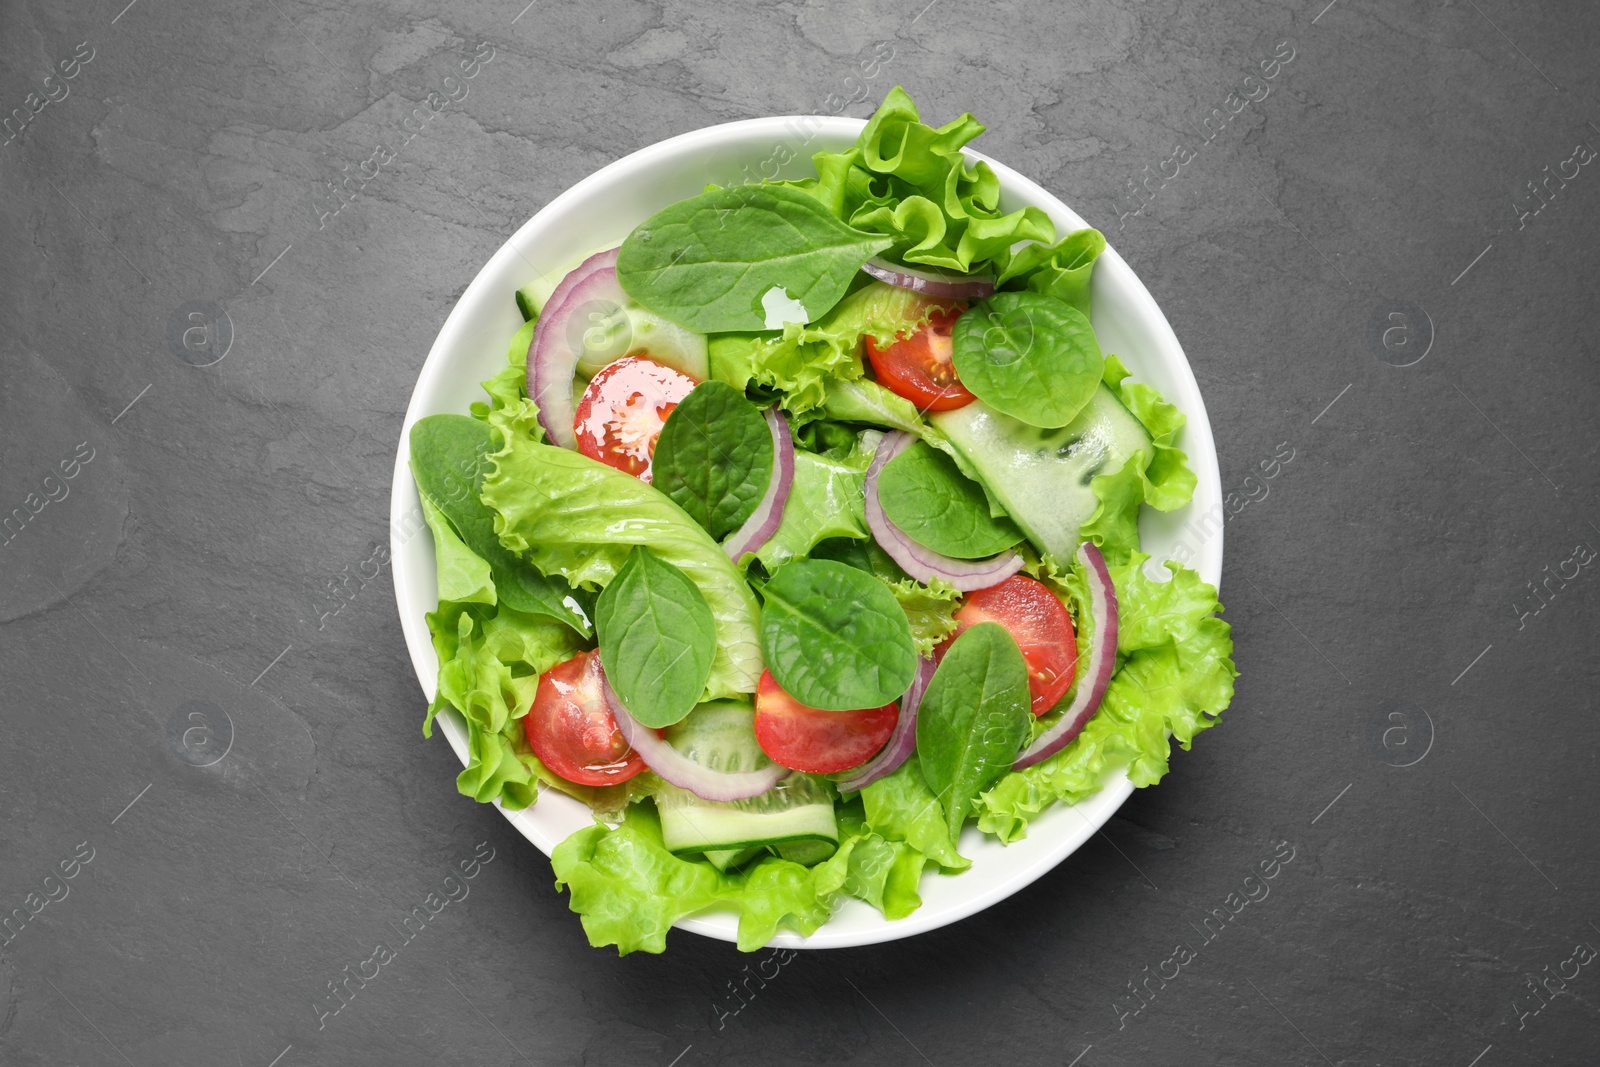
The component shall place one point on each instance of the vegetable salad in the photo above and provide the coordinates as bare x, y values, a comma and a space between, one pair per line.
800, 534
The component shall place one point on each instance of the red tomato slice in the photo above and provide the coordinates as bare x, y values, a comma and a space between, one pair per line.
1038, 622
623, 409
920, 367
571, 729
816, 741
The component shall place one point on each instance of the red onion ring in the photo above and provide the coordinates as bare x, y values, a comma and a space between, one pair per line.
551, 362
901, 743
683, 772
1102, 662
930, 282
920, 562
768, 515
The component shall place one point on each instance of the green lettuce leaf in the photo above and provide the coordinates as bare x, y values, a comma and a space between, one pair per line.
866, 401
509, 386
1176, 674
629, 889
1163, 481
1167, 481
825, 501
570, 515
929, 608
804, 361
1063, 270
490, 660
901, 807
462, 574
910, 182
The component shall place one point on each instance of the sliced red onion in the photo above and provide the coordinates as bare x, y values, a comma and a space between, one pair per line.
683, 772
765, 519
919, 561
552, 360
1093, 681
930, 282
901, 743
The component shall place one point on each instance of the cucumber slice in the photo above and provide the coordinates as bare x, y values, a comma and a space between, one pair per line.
807, 853
613, 332
1041, 476
528, 303
721, 735
726, 858
666, 342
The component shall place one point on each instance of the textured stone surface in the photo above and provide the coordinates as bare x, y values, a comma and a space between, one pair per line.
172, 607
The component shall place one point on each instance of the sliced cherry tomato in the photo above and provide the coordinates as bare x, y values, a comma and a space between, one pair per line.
1041, 626
920, 366
816, 741
571, 729
623, 409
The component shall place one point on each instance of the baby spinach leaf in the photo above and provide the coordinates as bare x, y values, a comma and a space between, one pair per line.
973, 719
714, 457
834, 637
657, 638
448, 460
1029, 355
709, 262
924, 494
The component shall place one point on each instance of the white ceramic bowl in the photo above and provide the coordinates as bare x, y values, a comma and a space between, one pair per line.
599, 212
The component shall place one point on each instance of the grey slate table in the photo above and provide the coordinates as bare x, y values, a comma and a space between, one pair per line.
1381, 258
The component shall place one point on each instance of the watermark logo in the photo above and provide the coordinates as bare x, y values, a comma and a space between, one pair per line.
200, 732
600, 331
200, 332
1401, 733
1400, 333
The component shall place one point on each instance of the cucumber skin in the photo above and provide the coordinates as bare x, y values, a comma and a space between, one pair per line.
1048, 496
527, 305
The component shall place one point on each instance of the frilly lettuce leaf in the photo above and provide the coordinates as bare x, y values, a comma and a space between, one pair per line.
1164, 481
803, 361
629, 889
570, 515
1063, 270
509, 386
910, 182
490, 659
1176, 673
929, 608
1168, 482
901, 807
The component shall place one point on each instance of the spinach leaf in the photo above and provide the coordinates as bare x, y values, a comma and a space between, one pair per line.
714, 457
709, 262
448, 460
834, 637
864, 554
1029, 355
657, 638
973, 719
924, 494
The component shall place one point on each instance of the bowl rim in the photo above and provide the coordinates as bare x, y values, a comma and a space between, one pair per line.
405, 514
